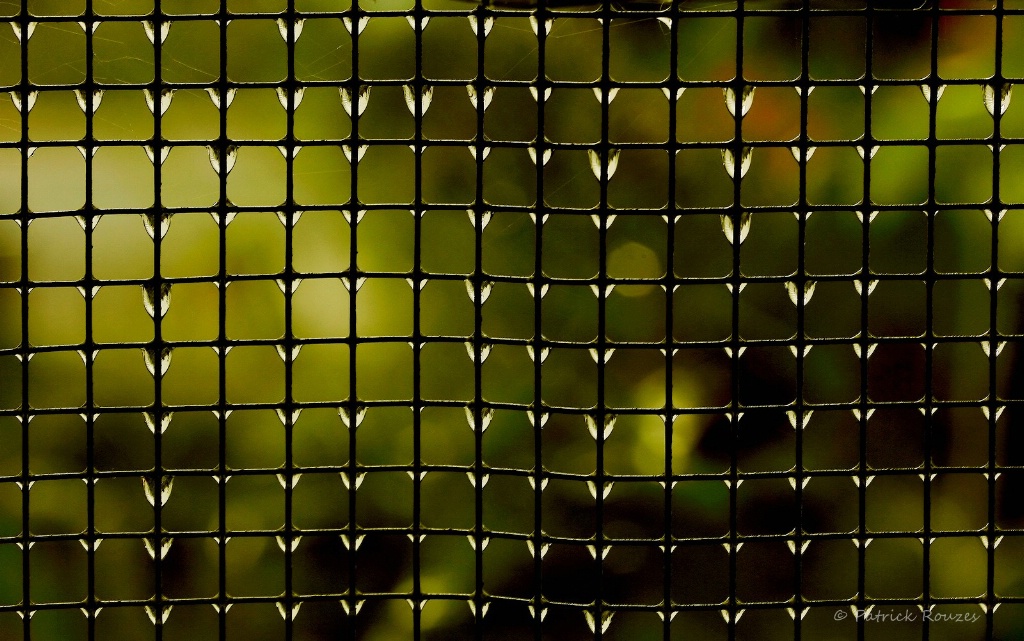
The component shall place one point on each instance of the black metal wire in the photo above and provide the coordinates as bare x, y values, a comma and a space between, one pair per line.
736, 412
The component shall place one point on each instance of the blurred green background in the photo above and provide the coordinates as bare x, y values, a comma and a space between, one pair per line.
927, 274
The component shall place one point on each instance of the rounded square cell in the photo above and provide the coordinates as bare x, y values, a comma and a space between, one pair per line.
256, 114
831, 440
122, 178
509, 312
569, 379
899, 113
960, 307
766, 312
836, 50
831, 503
641, 180
324, 52
963, 174
445, 45
56, 116
321, 309
961, 113
387, 50
254, 567
507, 565
193, 444
387, 176
320, 501
121, 249
510, 51
10, 251
124, 570
448, 502
123, 115
55, 249
1011, 162
701, 180
702, 250
245, 39
895, 438
764, 572
56, 180
567, 446
770, 248
898, 242
56, 380
835, 113
700, 574
191, 569
894, 568
895, 503
56, 54
56, 316
831, 375
636, 313
123, 442
384, 371
773, 178
901, 45
447, 439
702, 116
508, 245
254, 375
510, 178
767, 376
321, 175
11, 393
701, 378
321, 243
640, 50
385, 500
193, 503
707, 48
567, 510
569, 313
774, 115
192, 377
320, 438
321, 115
258, 178
570, 116
771, 48
965, 44
829, 571
193, 313
386, 437
387, 115
254, 439
962, 241
635, 378
122, 53
453, 116
512, 115
507, 375
255, 244
449, 175
500, 449
386, 241
960, 372
255, 310
702, 313
898, 308
246, 621
571, 247
445, 310
448, 242
120, 379
835, 176
959, 502
10, 72
187, 178
57, 444
961, 437
385, 307
58, 507
834, 312
58, 574
321, 373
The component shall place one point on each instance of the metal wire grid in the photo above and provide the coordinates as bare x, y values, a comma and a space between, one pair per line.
599, 604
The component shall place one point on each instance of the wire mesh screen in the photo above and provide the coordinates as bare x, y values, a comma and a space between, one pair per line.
428, 320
